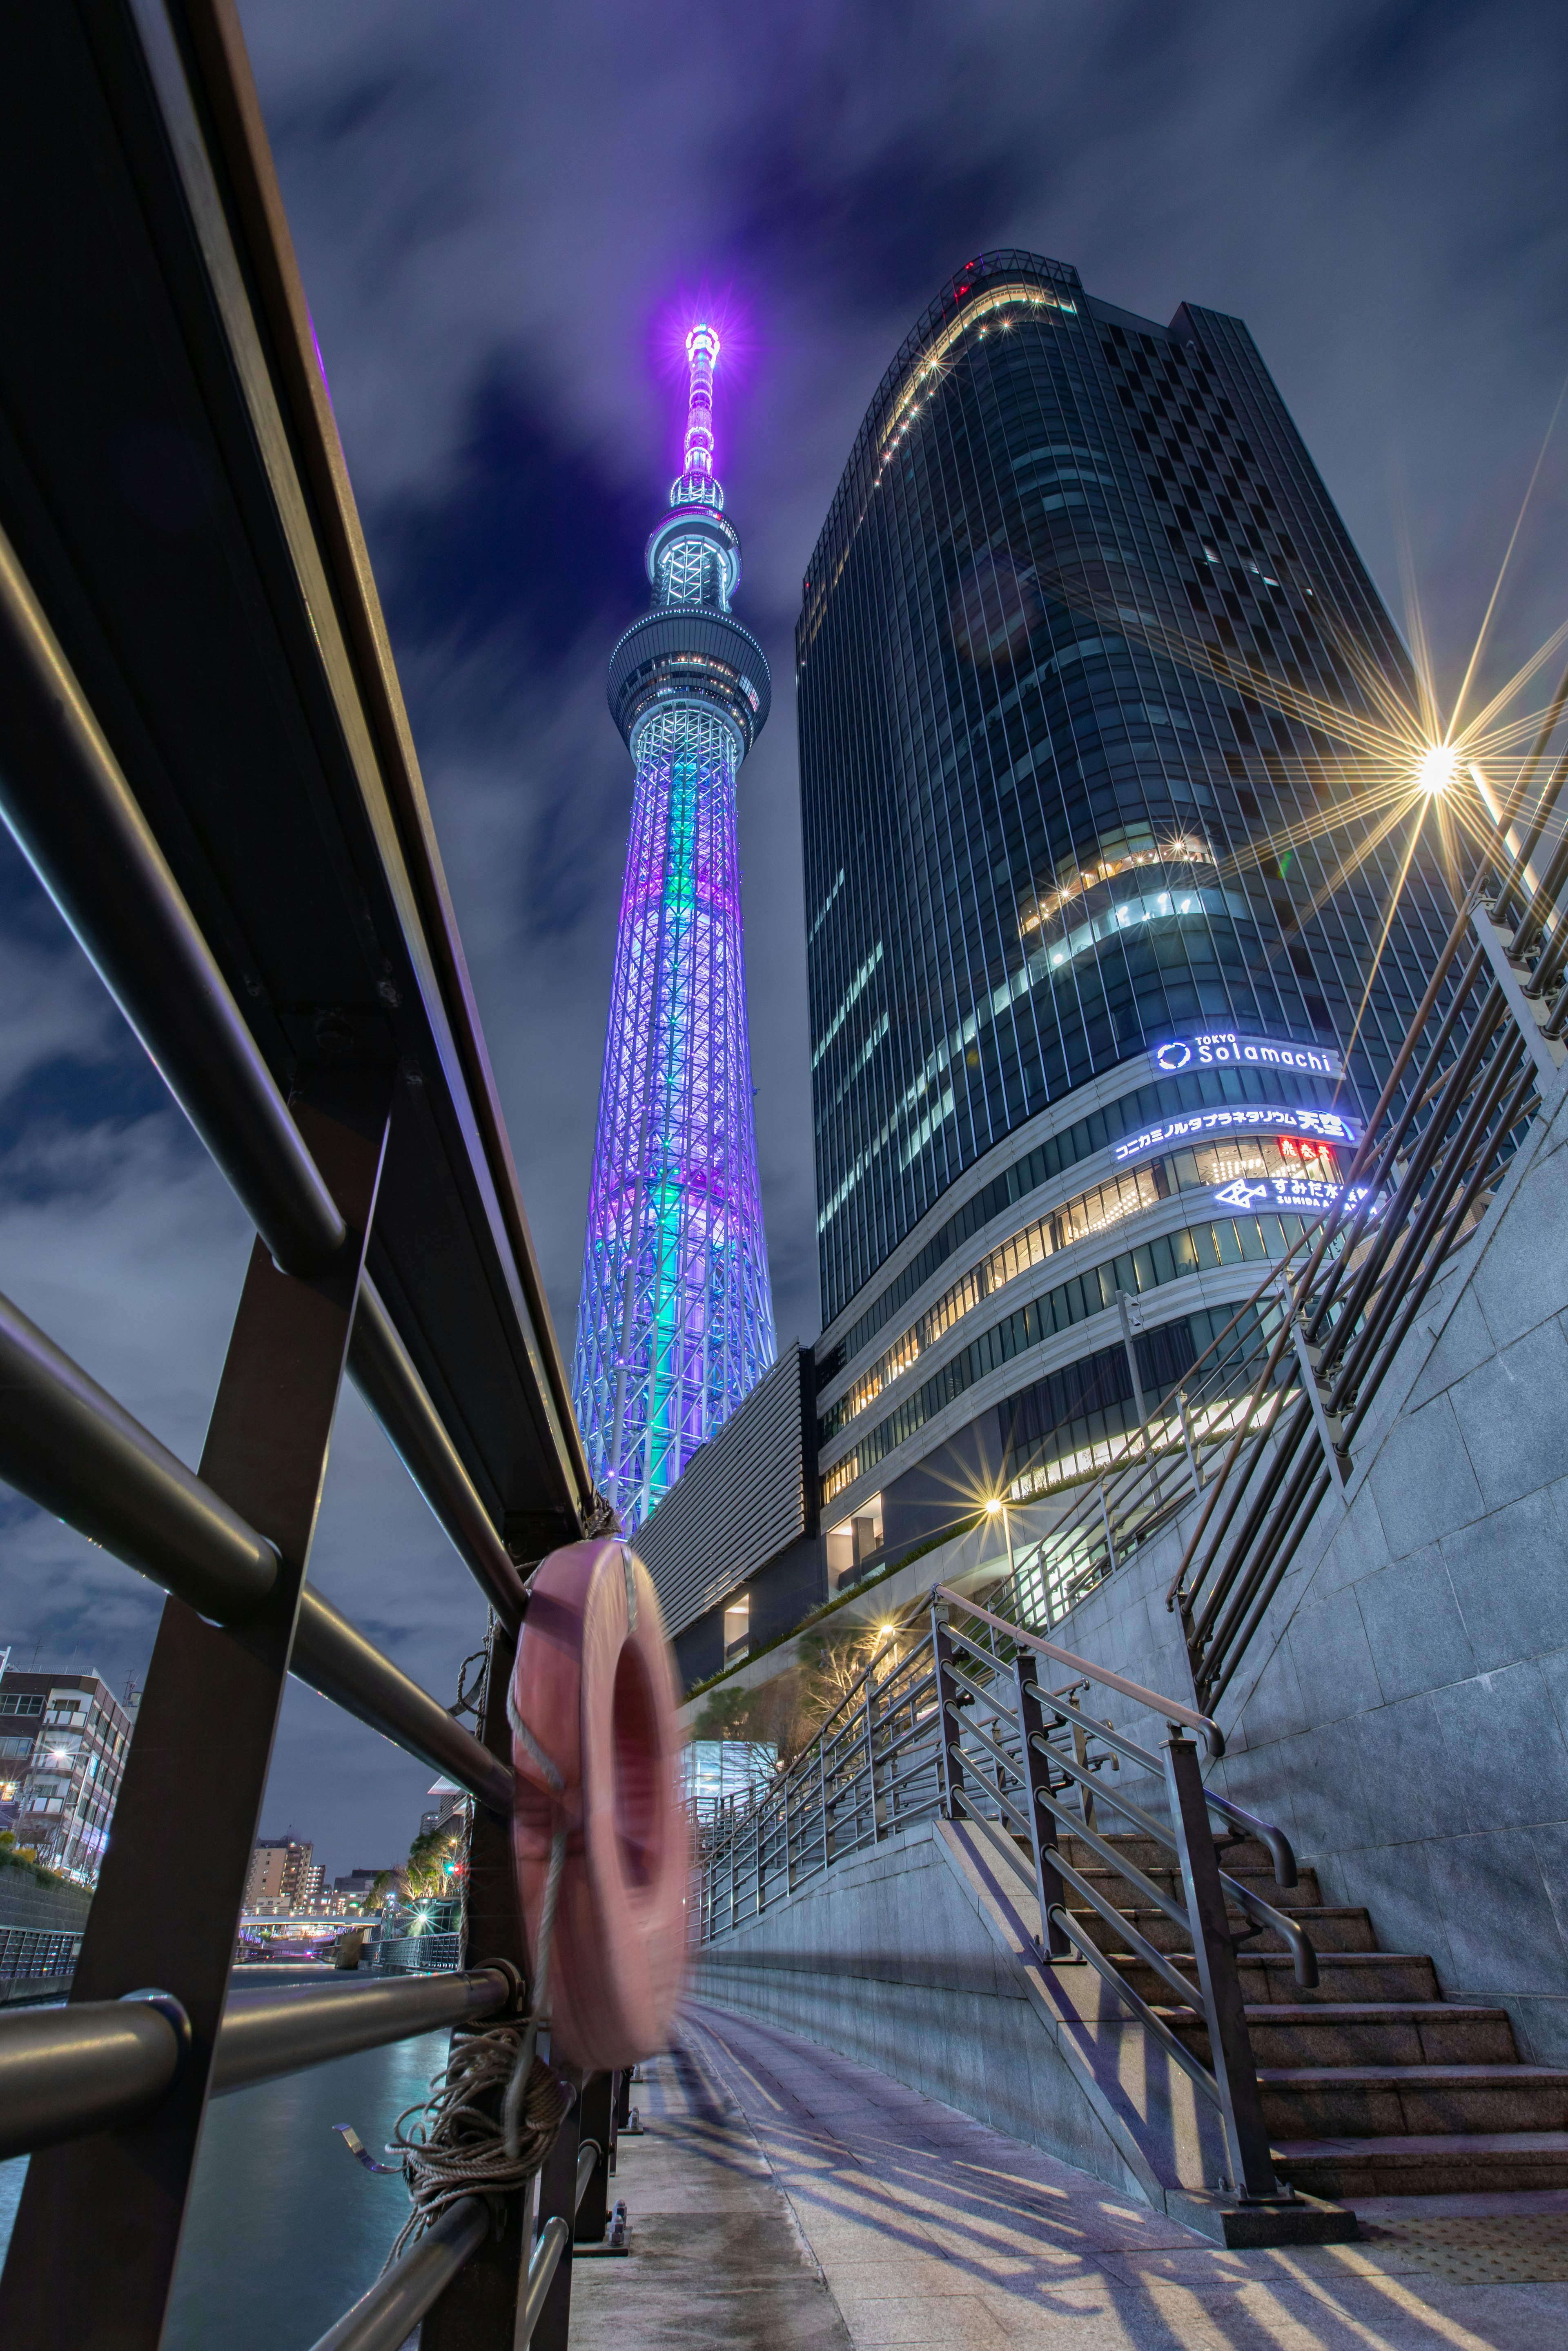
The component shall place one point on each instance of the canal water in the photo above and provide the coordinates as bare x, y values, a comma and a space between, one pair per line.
286, 2229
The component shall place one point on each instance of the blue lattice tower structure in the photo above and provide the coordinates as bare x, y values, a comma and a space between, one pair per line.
675, 1324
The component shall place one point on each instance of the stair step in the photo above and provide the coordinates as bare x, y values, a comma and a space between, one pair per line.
1268, 1978
1387, 2033
1304, 1895
1448, 2163
1327, 1929
1381, 2101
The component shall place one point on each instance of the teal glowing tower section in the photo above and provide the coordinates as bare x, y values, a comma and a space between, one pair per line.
675, 1324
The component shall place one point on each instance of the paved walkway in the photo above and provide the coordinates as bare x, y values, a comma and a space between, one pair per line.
787, 2198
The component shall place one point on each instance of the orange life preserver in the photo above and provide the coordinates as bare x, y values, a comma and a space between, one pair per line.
595, 1746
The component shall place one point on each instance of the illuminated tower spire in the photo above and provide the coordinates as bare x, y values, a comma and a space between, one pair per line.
675, 1324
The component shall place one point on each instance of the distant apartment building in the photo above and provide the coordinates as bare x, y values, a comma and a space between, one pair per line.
63, 1743
283, 1872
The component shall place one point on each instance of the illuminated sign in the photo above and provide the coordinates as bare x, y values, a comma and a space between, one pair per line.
1223, 1048
1246, 1119
1295, 1192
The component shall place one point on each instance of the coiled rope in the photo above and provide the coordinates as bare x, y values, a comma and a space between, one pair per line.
460, 2147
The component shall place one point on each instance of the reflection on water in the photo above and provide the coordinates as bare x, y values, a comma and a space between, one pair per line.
286, 2229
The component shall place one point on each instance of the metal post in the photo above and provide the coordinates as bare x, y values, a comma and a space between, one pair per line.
822, 1793
1053, 1941
1218, 1976
759, 1849
869, 1760
197, 1770
1081, 1754
597, 2109
557, 2186
1194, 1470
949, 1732
1122, 1304
1105, 1514
479, 2306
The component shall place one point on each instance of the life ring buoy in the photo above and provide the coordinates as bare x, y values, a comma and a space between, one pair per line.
594, 1743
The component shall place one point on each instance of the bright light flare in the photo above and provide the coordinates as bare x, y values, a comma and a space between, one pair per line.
1437, 769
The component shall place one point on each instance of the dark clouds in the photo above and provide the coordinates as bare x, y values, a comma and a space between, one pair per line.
495, 208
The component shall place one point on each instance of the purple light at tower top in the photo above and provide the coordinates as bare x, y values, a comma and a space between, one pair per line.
675, 1322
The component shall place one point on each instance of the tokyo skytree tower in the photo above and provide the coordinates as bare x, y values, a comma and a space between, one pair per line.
675, 1324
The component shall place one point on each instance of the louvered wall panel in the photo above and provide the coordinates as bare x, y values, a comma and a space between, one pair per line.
737, 1504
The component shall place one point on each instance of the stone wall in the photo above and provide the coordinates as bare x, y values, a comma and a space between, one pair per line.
46, 1910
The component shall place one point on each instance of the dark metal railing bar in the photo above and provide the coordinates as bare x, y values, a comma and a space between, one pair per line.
1434, 1265
265, 2034
1537, 918
1071, 1717
1303, 1956
1118, 1920
383, 2319
543, 2263
1428, 1146
1222, 1497
1104, 1792
67, 2072
335, 1657
1431, 1209
383, 1371
1148, 2018
1281, 1849
999, 1753
73, 817
69, 1447
1004, 1805
1256, 1499
1128, 1871
213, 1696
1514, 803
1272, 1515
1219, 1661
977, 1692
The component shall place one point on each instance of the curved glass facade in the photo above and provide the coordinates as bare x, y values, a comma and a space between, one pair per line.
1044, 797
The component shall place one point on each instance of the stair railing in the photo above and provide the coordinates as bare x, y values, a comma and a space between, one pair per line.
958, 1724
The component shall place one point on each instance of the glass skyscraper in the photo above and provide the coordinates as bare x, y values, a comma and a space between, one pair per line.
1085, 947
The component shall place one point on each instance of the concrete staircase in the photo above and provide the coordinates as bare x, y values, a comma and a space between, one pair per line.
1373, 2083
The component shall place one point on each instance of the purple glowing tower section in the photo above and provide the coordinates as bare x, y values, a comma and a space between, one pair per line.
676, 1325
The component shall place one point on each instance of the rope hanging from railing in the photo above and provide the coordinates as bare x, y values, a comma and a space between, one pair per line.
462, 2145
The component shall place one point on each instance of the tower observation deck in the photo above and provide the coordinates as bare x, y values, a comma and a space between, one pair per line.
675, 1322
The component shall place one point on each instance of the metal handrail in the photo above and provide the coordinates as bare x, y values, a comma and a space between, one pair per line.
383, 1371
61, 785
65, 2072
1170, 1708
69, 1447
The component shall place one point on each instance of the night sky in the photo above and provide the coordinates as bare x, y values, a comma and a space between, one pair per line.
505, 218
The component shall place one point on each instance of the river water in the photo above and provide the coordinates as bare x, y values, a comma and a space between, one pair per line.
286, 2229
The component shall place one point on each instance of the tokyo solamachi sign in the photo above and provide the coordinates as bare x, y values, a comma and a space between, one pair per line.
1220, 1048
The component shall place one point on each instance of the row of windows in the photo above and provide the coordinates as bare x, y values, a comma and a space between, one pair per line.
1142, 1106
1191, 1249
1248, 1158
